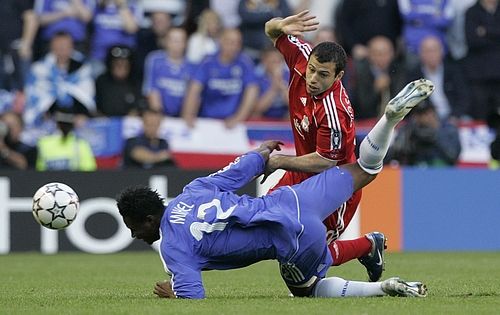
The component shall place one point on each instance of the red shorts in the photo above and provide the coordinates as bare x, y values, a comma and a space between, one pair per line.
338, 221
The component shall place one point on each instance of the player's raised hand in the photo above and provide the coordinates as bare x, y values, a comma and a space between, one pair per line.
299, 23
164, 289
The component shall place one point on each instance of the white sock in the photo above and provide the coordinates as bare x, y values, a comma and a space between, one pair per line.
375, 145
338, 287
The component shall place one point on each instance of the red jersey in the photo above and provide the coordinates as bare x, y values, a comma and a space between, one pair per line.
323, 124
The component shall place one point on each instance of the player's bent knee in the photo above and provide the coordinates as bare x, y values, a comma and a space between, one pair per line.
303, 290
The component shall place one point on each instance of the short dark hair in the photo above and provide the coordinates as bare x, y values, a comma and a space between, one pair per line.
138, 202
61, 34
330, 52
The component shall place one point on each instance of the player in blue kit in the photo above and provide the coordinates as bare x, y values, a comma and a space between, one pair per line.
209, 227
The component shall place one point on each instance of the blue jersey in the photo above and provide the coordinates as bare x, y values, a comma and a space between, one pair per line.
223, 85
109, 29
167, 78
210, 227
75, 27
279, 106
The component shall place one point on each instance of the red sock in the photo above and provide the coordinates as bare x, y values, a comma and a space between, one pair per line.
343, 251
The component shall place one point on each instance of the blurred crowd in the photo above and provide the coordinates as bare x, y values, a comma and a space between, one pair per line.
67, 60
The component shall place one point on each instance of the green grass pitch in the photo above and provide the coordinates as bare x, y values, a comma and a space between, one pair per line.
70, 283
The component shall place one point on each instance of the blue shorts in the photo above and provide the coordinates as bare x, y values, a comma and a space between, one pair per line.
316, 197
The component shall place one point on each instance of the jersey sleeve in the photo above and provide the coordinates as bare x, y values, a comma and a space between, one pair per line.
201, 73
185, 276
40, 7
149, 73
238, 173
249, 76
186, 282
292, 49
336, 128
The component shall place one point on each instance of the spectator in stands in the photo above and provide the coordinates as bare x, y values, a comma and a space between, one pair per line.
69, 16
62, 80
18, 25
455, 38
115, 22
254, 14
324, 34
361, 20
229, 10
64, 150
324, 11
204, 41
14, 154
482, 27
377, 78
151, 38
148, 150
426, 140
272, 77
422, 18
118, 91
167, 74
224, 85
194, 9
494, 124
451, 95
176, 8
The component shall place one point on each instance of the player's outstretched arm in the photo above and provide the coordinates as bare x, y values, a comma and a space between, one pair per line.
292, 25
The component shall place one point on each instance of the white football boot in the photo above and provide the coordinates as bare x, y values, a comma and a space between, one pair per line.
397, 287
409, 97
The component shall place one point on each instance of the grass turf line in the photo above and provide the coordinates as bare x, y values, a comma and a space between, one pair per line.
75, 283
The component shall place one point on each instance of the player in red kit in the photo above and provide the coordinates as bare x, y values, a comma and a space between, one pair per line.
322, 121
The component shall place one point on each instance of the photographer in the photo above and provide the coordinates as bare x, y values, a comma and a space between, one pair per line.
14, 154
426, 140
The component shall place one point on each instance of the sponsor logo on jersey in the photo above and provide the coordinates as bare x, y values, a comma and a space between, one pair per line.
305, 123
296, 124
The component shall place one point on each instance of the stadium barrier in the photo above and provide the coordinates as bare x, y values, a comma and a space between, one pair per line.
418, 209
209, 145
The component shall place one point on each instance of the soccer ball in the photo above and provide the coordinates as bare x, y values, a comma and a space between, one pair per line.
55, 206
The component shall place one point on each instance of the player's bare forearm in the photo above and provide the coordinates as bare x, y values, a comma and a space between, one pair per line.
310, 163
273, 29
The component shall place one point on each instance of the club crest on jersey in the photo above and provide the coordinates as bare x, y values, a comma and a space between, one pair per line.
303, 100
236, 71
305, 123
350, 112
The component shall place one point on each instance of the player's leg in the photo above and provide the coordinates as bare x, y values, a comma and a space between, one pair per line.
329, 189
338, 287
369, 249
311, 259
375, 145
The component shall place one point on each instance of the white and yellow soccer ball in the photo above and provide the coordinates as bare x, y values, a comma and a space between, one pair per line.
55, 205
